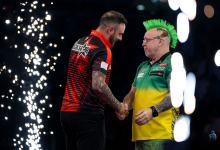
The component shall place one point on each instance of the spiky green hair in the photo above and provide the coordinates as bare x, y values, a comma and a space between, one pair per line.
159, 23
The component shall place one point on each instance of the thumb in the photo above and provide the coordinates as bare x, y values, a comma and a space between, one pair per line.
126, 106
140, 112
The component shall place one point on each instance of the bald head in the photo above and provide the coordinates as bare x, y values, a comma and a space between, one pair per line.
160, 33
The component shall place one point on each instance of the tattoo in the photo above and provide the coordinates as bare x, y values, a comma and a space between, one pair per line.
130, 105
164, 33
103, 91
164, 105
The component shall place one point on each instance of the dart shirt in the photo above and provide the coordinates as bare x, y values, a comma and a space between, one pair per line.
152, 84
90, 53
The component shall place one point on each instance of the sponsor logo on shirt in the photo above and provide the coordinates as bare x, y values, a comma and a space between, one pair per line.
140, 75
82, 49
143, 70
159, 68
156, 73
110, 67
104, 65
163, 64
160, 73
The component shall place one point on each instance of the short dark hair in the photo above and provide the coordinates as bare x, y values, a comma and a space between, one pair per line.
112, 17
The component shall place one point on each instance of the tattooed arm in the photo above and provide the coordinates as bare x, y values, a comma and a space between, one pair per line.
164, 105
145, 115
103, 91
129, 98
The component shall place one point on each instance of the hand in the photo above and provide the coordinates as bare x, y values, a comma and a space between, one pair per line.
123, 111
144, 116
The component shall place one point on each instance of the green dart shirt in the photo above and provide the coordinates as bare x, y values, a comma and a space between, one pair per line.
152, 84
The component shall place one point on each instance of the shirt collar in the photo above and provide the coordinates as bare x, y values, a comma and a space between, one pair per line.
103, 39
162, 58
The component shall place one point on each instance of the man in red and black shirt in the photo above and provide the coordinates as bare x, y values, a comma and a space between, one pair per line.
87, 91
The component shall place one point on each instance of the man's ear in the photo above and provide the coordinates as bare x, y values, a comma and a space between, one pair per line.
161, 41
110, 30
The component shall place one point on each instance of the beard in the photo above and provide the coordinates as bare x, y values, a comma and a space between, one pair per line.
111, 39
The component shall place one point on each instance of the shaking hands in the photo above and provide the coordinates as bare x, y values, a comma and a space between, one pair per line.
123, 112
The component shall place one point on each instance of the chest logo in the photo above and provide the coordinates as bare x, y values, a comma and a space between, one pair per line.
140, 75
162, 64
82, 49
159, 68
143, 70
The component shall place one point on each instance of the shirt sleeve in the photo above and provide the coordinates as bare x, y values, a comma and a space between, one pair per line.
98, 60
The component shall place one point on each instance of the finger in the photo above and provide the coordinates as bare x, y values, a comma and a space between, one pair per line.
140, 117
126, 106
140, 112
141, 120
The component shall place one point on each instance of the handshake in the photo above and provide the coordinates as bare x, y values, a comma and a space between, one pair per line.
123, 112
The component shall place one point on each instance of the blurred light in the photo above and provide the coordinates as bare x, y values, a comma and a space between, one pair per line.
51, 3
43, 5
178, 80
176, 61
55, 45
140, 7
48, 17
7, 21
30, 10
51, 132
6, 37
9, 107
217, 58
51, 44
58, 54
6, 118
182, 128
189, 8
16, 46
209, 11
174, 4
9, 70
189, 104
182, 27
62, 37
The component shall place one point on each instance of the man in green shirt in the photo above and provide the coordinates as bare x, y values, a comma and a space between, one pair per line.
149, 97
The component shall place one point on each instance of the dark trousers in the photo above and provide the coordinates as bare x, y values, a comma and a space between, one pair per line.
83, 131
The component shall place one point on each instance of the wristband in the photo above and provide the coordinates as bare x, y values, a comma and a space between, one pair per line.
155, 113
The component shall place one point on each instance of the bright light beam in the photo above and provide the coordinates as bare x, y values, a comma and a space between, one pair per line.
217, 58
189, 8
189, 98
182, 27
178, 80
174, 4
182, 128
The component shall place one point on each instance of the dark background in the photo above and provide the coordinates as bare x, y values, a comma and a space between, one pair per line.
74, 19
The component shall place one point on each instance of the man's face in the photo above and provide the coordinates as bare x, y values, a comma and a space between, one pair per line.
117, 35
150, 43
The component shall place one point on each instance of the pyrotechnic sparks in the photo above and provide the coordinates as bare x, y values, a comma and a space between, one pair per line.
37, 67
